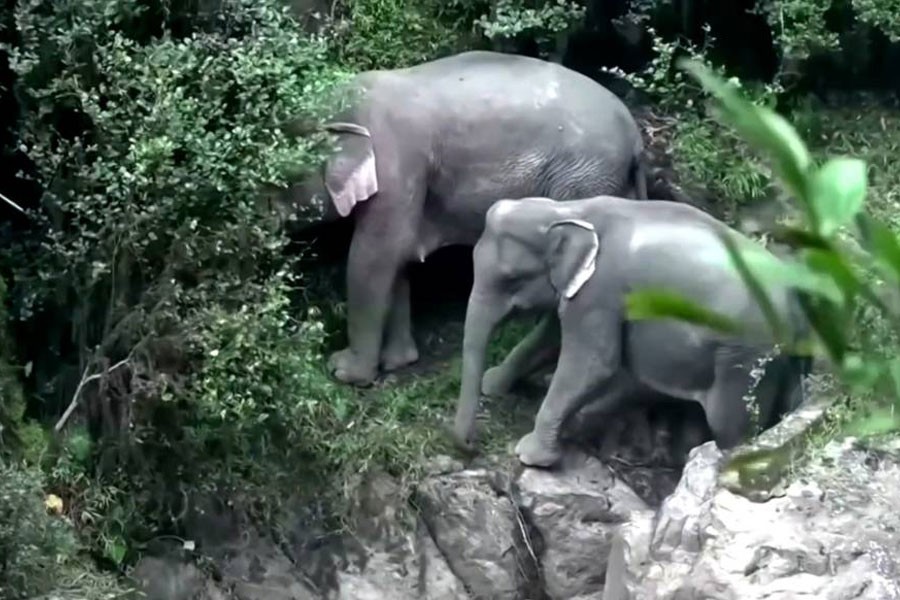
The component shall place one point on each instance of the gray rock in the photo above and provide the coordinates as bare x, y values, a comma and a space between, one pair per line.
476, 526
261, 571
166, 578
577, 510
832, 535
395, 555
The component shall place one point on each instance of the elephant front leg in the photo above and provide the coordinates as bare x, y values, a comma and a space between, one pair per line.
399, 346
538, 348
370, 281
588, 368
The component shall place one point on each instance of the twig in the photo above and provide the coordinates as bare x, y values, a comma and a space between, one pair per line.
84, 381
13, 204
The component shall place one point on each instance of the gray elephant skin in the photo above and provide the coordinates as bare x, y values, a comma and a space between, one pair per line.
581, 258
424, 152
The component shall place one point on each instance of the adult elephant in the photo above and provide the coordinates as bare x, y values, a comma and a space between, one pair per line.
423, 153
581, 258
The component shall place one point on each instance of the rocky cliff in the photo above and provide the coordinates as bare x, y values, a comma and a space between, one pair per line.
599, 527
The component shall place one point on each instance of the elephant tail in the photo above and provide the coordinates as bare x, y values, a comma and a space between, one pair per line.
639, 176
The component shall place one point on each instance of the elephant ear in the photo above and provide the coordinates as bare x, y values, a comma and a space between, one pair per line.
350, 175
571, 254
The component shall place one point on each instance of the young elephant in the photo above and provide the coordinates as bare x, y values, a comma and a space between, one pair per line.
582, 257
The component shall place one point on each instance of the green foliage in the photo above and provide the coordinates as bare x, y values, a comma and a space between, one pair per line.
712, 158
666, 85
182, 133
833, 280
378, 34
709, 155
262, 393
541, 21
799, 26
12, 404
34, 545
153, 134
881, 14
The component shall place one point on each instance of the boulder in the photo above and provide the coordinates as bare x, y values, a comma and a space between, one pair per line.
831, 535
477, 526
576, 510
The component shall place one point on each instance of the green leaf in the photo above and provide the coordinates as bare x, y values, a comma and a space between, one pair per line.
838, 192
877, 422
859, 373
836, 268
881, 242
768, 271
659, 303
796, 237
764, 129
756, 288
829, 325
116, 550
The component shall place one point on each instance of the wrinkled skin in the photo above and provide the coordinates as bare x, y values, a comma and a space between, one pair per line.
425, 151
581, 258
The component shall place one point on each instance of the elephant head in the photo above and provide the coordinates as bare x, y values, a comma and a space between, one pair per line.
347, 177
530, 257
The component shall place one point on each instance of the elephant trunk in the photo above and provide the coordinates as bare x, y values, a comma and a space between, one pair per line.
483, 314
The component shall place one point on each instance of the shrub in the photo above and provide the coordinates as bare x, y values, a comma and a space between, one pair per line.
153, 131
378, 34
709, 156
34, 545
541, 21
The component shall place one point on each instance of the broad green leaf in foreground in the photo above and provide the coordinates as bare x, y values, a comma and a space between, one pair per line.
654, 303
797, 237
838, 192
829, 323
860, 373
762, 270
877, 422
881, 243
834, 266
766, 130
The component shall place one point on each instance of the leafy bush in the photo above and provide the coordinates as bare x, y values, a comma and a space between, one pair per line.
34, 545
541, 21
799, 27
377, 34
154, 131
708, 155
881, 14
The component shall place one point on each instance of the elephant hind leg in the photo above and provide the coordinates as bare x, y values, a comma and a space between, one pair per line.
740, 404
536, 349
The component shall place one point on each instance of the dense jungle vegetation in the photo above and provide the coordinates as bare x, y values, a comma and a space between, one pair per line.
160, 334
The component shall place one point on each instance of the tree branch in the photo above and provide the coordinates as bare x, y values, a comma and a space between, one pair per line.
84, 381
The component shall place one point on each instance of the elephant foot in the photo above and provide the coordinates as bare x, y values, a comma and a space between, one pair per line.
347, 367
495, 383
534, 453
462, 440
398, 356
